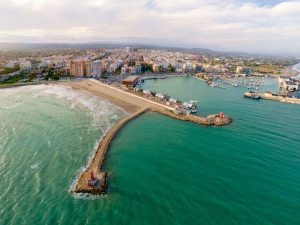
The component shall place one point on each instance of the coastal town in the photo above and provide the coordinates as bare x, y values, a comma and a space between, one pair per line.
114, 65
149, 112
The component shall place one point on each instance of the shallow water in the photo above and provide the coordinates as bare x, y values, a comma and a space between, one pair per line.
162, 171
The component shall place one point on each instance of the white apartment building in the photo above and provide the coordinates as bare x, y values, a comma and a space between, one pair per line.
96, 68
25, 65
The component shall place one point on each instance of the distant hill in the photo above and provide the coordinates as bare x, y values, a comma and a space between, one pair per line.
92, 45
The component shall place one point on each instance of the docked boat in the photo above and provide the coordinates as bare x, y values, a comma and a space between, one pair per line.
173, 100
256, 97
213, 84
252, 95
190, 106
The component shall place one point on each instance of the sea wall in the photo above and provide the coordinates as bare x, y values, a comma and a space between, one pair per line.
211, 120
268, 96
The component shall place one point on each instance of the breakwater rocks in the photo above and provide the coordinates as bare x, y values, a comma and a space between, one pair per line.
94, 181
211, 120
100, 188
94, 170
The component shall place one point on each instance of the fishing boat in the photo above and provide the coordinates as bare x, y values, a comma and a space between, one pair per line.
190, 106
257, 97
213, 84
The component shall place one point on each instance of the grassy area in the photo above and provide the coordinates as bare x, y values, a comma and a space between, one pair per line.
15, 78
267, 69
5, 71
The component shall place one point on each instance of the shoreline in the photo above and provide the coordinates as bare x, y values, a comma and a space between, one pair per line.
290, 71
297, 70
135, 105
293, 67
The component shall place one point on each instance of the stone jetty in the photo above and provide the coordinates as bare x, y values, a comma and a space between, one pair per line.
273, 97
95, 167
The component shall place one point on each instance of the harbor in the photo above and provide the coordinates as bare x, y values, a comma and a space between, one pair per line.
93, 180
288, 92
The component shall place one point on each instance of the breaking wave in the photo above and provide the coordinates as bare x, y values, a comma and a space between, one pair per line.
100, 110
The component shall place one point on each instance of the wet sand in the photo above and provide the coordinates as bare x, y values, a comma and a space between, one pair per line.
126, 101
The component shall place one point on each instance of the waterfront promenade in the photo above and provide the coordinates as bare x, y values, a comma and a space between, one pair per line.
135, 105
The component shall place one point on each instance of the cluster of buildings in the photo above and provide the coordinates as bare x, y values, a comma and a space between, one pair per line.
23, 64
288, 85
82, 68
134, 61
243, 70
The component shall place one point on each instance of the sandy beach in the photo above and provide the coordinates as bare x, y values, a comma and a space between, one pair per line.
289, 71
126, 102
129, 102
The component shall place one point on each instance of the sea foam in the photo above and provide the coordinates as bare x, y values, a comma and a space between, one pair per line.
102, 112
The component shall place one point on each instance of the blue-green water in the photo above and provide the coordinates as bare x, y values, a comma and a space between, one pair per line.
162, 171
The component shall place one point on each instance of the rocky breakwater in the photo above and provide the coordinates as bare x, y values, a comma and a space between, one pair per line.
211, 120
93, 180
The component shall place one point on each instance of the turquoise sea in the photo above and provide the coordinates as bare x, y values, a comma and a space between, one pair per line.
162, 171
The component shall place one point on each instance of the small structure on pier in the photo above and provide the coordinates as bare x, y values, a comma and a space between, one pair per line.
130, 81
93, 181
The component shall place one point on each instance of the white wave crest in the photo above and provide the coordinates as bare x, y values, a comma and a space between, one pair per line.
102, 111
35, 166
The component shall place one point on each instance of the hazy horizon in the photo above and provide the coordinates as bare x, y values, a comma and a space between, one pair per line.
260, 27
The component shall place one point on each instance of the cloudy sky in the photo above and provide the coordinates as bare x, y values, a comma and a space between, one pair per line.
266, 26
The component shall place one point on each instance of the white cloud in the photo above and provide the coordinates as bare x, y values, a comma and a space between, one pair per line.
229, 25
